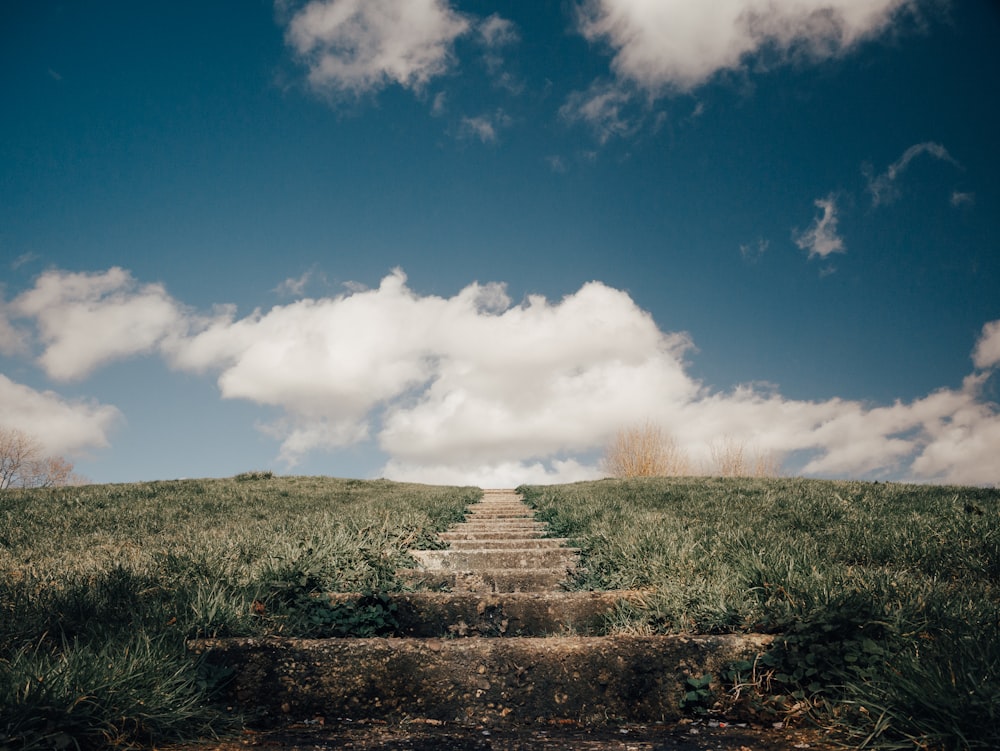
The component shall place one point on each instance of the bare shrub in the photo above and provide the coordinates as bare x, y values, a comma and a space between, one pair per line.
24, 464
732, 458
645, 451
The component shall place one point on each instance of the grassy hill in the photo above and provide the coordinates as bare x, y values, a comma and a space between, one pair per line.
884, 597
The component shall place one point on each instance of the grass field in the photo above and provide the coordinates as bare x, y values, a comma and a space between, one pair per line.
101, 585
885, 597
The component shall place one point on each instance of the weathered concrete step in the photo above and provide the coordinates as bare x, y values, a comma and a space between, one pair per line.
498, 580
480, 526
485, 516
515, 543
501, 504
481, 560
447, 614
523, 532
491, 534
595, 680
500, 508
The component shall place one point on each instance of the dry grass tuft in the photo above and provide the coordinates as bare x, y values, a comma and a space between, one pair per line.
645, 451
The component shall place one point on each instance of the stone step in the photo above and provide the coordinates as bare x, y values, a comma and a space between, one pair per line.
483, 560
498, 580
499, 526
461, 614
509, 543
490, 534
597, 680
517, 505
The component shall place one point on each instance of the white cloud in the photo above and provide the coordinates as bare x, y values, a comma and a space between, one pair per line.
474, 388
294, 287
485, 127
883, 186
495, 31
987, 352
63, 427
959, 198
85, 319
493, 475
963, 441
358, 46
13, 341
679, 45
602, 107
821, 239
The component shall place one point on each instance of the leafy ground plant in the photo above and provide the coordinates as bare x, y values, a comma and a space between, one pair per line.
101, 586
883, 597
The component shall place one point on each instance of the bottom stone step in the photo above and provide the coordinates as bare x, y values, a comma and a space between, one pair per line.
449, 614
494, 681
497, 580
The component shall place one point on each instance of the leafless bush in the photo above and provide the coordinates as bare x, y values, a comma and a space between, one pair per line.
24, 464
732, 458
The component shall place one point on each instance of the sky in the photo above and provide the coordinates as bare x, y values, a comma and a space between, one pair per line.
461, 241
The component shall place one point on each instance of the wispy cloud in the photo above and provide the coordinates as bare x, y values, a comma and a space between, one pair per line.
603, 108
422, 375
883, 187
485, 128
496, 31
294, 287
360, 46
23, 260
958, 198
752, 252
821, 239
678, 45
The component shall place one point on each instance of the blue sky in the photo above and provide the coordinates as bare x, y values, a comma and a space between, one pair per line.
468, 241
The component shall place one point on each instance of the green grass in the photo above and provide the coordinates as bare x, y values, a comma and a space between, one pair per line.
885, 598
101, 586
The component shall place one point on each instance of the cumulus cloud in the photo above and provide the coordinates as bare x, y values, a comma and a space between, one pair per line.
62, 426
883, 186
359, 46
479, 388
84, 320
679, 45
493, 475
821, 239
12, 340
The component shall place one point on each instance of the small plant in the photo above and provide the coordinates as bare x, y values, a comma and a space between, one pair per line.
698, 696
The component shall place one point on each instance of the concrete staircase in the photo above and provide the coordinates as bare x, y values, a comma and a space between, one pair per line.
489, 637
